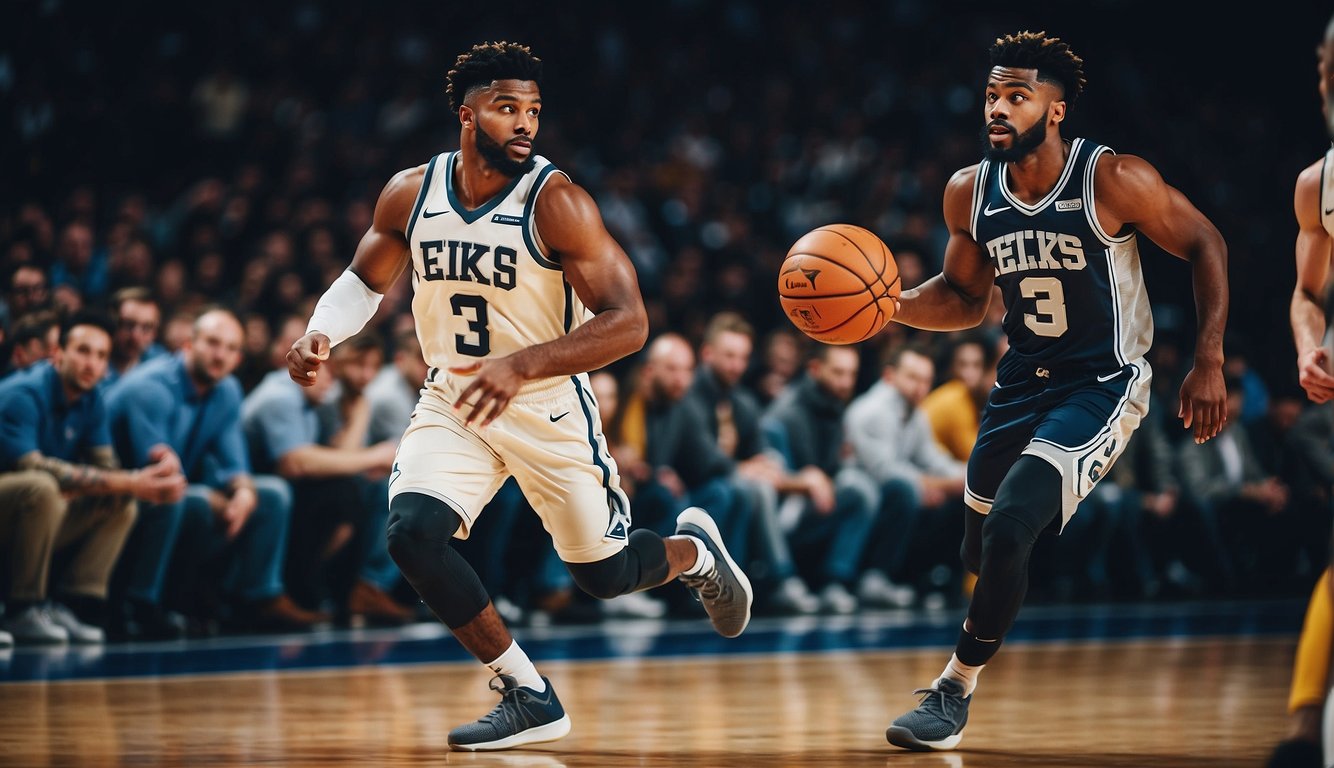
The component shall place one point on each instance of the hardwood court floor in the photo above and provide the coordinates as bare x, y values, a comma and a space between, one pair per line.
1149, 703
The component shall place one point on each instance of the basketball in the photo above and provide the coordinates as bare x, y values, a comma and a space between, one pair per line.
838, 284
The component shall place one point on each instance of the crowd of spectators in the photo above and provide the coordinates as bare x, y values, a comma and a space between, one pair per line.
159, 169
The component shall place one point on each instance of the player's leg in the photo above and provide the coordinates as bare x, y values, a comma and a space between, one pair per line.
1310, 683
567, 473
443, 476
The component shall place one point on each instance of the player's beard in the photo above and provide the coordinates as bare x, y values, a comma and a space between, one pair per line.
495, 156
1022, 145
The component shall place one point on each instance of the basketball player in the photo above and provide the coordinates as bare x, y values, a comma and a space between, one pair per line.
1054, 223
1313, 202
519, 290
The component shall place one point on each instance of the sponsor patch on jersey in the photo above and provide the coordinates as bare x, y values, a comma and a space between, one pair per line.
1070, 205
503, 218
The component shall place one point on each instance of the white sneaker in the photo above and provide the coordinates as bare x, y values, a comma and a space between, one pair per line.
635, 605
876, 590
792, 596
34, 626
78, 632
836, 599
6, 640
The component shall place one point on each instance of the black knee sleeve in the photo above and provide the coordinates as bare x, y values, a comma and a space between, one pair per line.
642, 564
970, 552
1028, 501
419, 531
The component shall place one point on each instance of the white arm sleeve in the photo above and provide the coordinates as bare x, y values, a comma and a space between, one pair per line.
344, 309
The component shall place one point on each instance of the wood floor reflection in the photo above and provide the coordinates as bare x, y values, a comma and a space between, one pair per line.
1147, 703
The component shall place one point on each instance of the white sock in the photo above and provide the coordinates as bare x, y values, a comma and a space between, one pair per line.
702, 562
963, 673
515, 663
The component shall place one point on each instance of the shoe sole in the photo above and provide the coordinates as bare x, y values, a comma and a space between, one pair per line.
698, 523
549, 732
902, 737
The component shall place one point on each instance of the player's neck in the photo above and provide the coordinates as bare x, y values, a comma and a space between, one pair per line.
1031, 178
475, 182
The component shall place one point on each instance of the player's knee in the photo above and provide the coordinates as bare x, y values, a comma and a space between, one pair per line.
970, 551
419, 526
1006, 541
606, 578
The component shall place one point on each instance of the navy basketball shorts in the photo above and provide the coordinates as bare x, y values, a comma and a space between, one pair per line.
1078, 423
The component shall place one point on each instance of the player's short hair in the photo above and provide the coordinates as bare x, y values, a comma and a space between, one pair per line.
486, 63
727, 322
1050, 56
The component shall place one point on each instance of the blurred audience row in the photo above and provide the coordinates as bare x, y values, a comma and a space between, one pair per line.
154, 486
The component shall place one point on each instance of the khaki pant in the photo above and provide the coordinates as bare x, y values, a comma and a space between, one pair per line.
36, 521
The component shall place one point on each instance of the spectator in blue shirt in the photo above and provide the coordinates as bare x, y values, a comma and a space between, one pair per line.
137, 317
316, 439
192, 402
60, 489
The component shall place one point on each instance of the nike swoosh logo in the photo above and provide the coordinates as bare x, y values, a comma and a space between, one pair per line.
555, 419
429, 214
1109, 376
989, 210
1330, 211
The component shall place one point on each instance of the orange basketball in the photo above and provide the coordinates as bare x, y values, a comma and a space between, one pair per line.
838, 284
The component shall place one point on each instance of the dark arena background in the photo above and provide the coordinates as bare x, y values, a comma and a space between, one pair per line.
232, 154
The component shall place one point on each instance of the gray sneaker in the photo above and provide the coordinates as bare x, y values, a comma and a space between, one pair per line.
523, 716
723, 589
78, 632
938, 721
33, 626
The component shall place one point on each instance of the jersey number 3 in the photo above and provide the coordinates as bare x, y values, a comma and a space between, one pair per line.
477, 341
1049, 304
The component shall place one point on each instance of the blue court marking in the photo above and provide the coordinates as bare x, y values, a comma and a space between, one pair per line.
428, 643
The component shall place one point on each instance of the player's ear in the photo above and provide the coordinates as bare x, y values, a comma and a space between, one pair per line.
466, 116
1057, 111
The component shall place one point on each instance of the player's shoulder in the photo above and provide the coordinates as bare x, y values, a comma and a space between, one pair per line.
963, 179
1131, 170
562, 199
407, 182
1312, 175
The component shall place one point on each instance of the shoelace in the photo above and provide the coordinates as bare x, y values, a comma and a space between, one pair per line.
943, 705
510, 717
708, 584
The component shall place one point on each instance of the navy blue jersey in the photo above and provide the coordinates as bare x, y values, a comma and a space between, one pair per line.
1074, 295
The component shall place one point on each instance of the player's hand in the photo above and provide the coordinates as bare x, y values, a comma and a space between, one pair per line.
306, 356
159, 483
1313, 374
495, 383
1203, 402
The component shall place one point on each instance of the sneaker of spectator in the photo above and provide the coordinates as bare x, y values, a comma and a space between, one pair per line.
835, 598
372, 605
876, 590
33, 626
635, 605
793, 597
77, 631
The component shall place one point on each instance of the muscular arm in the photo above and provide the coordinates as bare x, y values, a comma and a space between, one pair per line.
569, 223
601, 274
958, 297
1130, 191
1307, 311
380, 259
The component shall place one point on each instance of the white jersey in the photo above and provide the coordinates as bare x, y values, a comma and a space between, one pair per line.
483, 285
1327, 192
